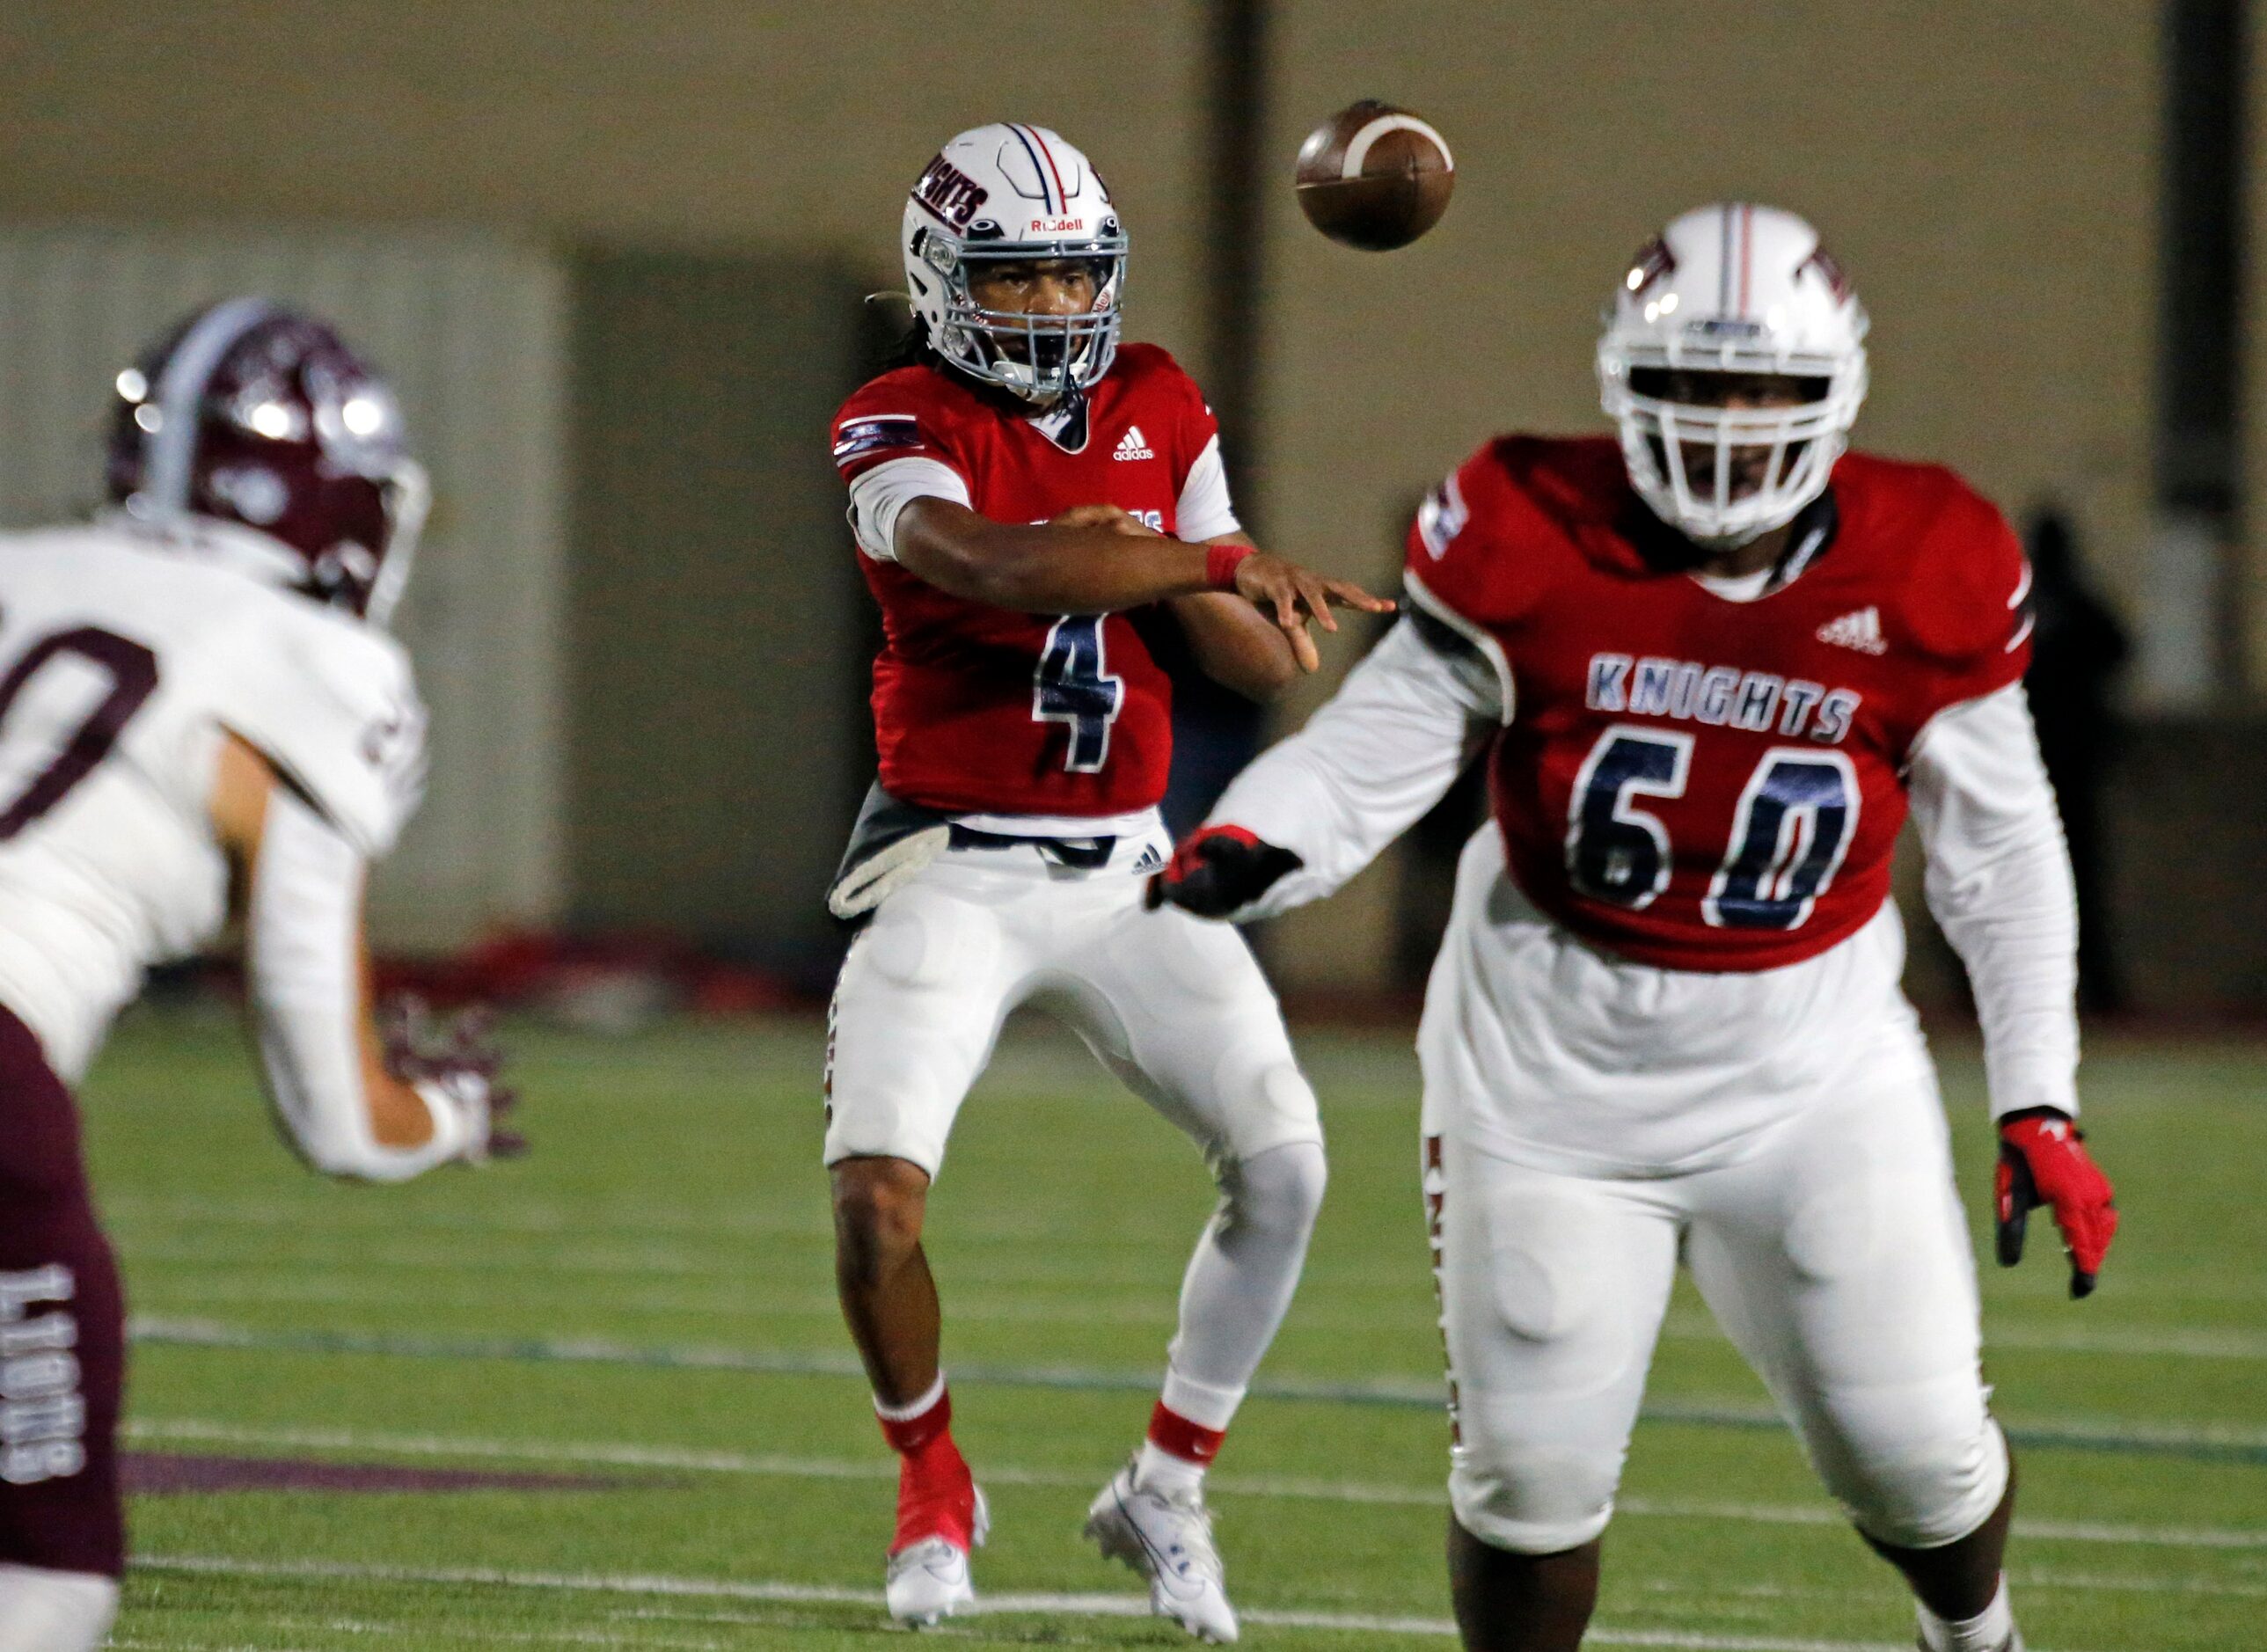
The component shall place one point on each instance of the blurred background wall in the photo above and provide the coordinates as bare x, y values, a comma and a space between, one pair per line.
701, 191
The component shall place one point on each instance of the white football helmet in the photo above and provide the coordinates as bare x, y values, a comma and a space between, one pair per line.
1009, 192
1733, 288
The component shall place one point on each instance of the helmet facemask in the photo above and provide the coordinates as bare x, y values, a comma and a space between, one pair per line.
1755, 467
1038, 358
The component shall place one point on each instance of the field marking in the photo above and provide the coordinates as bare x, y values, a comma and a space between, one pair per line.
2209, 1443
626, 1454
1143, 1298
1076, 1605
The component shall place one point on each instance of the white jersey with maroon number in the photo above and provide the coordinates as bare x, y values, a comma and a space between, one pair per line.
122, 659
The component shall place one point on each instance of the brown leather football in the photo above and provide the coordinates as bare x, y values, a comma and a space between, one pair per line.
1374, 177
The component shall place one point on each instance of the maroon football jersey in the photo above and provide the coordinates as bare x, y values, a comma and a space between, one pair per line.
985, 710
1700, 783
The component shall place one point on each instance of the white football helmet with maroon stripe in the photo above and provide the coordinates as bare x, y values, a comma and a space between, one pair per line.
1733, 288
1010, 191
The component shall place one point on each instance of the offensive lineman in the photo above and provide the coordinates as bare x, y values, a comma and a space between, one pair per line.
200, 714
1028, 497
1715, 669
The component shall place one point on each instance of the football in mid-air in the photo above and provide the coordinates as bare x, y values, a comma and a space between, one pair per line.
1374, 177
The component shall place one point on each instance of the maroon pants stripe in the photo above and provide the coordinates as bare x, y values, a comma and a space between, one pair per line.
63, 1332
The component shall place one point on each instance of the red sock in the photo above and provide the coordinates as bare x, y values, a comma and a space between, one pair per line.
1192, 1442
936, 1496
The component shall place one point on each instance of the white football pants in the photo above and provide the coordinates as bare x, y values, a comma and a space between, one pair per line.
1834, 1256
1176, 1008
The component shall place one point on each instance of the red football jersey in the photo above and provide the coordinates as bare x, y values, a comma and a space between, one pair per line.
1700, 783
985, 710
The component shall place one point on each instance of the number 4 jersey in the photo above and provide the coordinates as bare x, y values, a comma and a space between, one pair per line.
980, 709
1695, 781
123, 657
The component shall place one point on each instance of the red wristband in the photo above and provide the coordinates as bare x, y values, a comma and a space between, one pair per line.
1221, 564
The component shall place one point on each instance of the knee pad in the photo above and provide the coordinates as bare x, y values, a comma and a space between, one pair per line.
1278, 1191
1266, 1103
1529, 1499
1909, 1469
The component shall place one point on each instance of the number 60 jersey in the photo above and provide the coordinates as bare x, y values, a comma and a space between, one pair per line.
1697, 782
124, 655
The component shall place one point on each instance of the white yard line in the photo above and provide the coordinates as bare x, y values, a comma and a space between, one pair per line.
1075, 1605
2110, 1434
626, 1454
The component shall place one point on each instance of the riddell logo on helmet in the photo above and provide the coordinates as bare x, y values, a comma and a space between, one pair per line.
950, 193
1058, 226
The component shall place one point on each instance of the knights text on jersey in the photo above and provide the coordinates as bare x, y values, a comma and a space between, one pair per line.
983, 710
1700, 783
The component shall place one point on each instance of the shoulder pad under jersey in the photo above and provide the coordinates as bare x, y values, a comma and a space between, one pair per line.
330, 701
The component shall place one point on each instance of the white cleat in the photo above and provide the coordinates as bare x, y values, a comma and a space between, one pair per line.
1169, 1541
929, 1581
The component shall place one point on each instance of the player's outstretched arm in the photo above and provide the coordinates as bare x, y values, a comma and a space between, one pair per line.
1999, 883
1316, 809
1092, 562
354, 1102
1234, 643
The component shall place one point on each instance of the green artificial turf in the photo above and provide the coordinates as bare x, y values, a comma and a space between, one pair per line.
647, 1304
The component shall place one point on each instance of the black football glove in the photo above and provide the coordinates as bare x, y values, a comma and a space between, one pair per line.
1219, 870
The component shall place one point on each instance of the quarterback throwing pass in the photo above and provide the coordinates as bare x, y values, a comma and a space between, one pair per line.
1714, 666
1030, 499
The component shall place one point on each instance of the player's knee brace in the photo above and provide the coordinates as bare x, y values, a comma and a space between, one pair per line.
1278, 1192
1911, 1470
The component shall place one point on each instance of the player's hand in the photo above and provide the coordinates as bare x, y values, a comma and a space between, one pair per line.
1104, 517
1292, 594
456, 1065
1218, 869
2043, 1161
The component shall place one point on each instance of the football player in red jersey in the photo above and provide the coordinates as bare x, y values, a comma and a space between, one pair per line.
1715, 669
1027, 496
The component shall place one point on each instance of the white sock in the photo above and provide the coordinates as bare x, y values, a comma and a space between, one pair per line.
1990, 1630
1240, 1281
1158, 1470
42, 1611
917, 1407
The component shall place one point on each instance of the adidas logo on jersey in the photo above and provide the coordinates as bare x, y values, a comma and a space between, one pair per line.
1150, 861
1861, 630
1132, 444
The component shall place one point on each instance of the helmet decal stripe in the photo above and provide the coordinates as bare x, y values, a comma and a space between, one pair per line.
1724, 262
1061, 194
170, 451
1747, 252
1023, 137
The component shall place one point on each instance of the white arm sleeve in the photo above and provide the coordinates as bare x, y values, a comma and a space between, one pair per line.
881, 493
1999, 883
1384, 749
1204, 511
305, 964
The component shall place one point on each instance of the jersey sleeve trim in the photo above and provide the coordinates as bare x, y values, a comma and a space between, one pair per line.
1204, 511
1426, 604
879, 495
